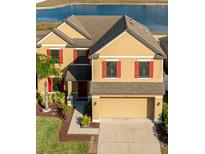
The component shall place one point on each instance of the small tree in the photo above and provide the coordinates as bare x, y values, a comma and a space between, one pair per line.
45, 67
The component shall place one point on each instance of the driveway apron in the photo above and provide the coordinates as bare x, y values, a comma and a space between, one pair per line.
128, 136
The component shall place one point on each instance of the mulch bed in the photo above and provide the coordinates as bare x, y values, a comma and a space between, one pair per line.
65, 124
162, 135
93, 125
52, 113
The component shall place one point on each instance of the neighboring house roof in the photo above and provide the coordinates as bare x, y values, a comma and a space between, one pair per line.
126, 88
78, 73
99, 30
164, 45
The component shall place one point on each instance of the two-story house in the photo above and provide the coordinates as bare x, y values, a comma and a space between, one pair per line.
113, 60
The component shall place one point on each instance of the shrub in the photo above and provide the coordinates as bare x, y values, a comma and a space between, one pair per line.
165, 116
85, 121
59, 97
40, 98
88, 108
64, 110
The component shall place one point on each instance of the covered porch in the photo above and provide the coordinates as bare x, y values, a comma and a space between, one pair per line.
78, 82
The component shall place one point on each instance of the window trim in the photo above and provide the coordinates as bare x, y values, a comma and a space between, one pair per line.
111, 60
58, 54
142, 78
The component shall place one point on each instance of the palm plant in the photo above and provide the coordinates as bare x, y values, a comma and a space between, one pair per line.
45, 67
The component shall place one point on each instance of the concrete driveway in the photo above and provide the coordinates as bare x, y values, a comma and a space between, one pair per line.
127, 136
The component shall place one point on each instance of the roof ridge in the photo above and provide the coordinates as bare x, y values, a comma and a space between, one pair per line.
80, 30
110, 32
63, 36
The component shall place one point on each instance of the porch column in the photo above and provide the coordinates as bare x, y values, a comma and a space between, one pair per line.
158, 109
69, 90
95, 109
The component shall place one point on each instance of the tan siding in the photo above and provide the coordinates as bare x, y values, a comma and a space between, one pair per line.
158, 108
67, 55
127, 71
69, 31
52, 39
126, 45
67, 60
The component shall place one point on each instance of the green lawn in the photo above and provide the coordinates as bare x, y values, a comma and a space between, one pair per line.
47, 139
165, 150
49, 3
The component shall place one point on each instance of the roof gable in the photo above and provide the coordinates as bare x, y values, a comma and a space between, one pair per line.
125, 45
51, 38
69, 31
137, 30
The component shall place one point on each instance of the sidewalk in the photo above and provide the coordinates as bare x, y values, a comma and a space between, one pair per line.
75, 122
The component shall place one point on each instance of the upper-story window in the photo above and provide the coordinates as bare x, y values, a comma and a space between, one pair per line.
55, 55
82, 59
144, 69
81, 56
111, 69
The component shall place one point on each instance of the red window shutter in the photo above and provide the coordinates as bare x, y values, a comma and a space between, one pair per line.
119, 69
48, 53
136, 69
104, 69
151, 69
87, 55
61, 56
49, 84
75, 56
62, 84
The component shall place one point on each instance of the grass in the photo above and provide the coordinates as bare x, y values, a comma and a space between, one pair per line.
45, 27
165, 150
47, 139
52, 3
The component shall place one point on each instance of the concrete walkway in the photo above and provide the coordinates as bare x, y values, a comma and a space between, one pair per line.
127, 136
75, 122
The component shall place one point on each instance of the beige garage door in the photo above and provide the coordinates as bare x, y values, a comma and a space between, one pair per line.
126, 107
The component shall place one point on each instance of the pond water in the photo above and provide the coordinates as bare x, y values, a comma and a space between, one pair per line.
153, 16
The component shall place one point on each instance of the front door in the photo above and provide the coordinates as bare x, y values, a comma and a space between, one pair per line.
82, 89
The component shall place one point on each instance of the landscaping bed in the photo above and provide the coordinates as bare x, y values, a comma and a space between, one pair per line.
53, 113
163, 137
63, 135
93, 125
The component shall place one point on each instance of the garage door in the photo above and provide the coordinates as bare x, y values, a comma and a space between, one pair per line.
126, 107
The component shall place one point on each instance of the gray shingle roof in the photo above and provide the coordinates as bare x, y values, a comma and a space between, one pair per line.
126, 88
76, 24
137, 30
78, 73
99, 30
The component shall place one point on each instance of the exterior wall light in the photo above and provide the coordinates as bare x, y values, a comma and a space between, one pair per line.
95, 103
158, 103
